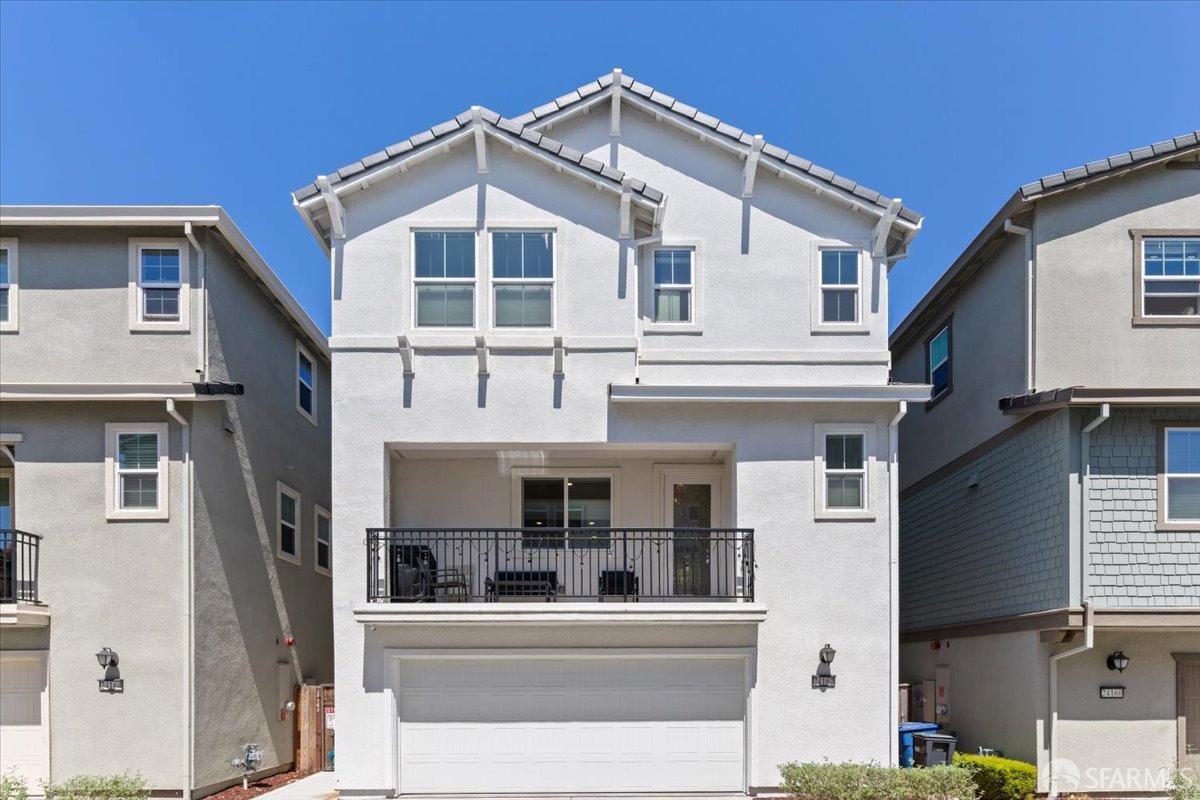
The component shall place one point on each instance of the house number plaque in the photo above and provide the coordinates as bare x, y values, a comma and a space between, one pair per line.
1112, 692
824, 681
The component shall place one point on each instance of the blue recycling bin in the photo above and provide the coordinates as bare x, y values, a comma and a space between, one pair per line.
907, 729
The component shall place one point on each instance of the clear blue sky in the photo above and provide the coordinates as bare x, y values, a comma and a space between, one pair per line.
949, 106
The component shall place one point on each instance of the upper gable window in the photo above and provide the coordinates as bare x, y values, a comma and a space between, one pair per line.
673, 284
306, 384
523, 279
8, 284
938, 365
444, 279
158, 282
840, 292
1170, 280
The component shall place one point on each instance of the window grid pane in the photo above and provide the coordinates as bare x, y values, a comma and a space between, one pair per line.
160, 303
450, 305
3, 304
1183, 499
1162, 261
523, 305
287, 538
139, 491
137, 451
843, 491
839, 305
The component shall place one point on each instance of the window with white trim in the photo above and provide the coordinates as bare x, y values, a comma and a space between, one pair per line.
938, 355
842, 467
840, 285
306, 384
1170, 276
673, 284
8, 284
160, 282
322, 541
136, 461
287, 529
444, 279
523, 279
1181, 475
579, 502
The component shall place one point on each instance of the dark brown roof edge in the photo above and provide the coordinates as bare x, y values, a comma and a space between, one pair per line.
1085, 395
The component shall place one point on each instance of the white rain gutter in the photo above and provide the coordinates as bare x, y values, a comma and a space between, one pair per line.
1027, 235
201, 288
894, 577
1085, 470
1089, 631
189, 724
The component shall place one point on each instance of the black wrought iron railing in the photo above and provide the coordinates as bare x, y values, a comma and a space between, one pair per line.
19, 552
549, 564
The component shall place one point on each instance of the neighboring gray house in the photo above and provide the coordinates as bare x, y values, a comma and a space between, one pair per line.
1050, 500
635, 457
164, 493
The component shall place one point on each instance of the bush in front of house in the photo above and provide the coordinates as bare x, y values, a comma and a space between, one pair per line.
873, 782
99, 787
12, 786
1185, 785
999, 778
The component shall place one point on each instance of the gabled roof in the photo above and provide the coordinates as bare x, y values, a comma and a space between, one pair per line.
433, 140
1021, 203
200, 216
601, 88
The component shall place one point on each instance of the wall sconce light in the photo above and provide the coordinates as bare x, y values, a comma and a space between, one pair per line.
107, 657
827, 654
1118, 661
111, 683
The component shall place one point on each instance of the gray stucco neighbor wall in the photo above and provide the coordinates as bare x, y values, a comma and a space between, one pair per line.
999, 549
1130, 563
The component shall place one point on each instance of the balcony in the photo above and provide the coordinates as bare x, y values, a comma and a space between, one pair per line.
549, 565
19, 562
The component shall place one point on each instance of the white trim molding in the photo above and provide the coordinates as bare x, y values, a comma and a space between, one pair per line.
560, 614
137, 320
75, 392
883, 393
113, 510
13, 284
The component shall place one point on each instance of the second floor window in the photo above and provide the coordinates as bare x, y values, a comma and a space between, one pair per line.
523, 279
673, 276
322, 541
839, 286
1181, 475
138, 475
306, 385
566, 502
159, 280
1171, 277
287, 542
444, 279
938, 362
845, 471
6, 285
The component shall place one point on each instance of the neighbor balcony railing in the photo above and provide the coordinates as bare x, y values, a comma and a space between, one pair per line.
19, 552
548, 564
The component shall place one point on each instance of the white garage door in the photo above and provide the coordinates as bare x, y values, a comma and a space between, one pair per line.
571, 725
24, 727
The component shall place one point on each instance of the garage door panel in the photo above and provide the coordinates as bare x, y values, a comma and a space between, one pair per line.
24, 728
564, 725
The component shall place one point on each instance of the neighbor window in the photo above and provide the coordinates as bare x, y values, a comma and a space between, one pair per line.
842, 459
136, 458
673, 284
523, 279
938, 356
8, 284
1179, 477
322, 543
581, 503
306, 385
444, 278
288, 529
1170, 277
159, 278
839, 286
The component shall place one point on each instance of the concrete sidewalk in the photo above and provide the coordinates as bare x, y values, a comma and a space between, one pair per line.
318, 786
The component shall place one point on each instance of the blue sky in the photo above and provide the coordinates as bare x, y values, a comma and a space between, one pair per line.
949, 106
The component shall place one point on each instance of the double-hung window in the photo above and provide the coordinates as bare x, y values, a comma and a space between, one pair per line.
136, 460
322, 541
160, 280
444, 279
306, 385
287, 511
673, 284
8, 284
581, 504
938, 355
840, 286
1170, 279
1179, 478
841, 466
523, 279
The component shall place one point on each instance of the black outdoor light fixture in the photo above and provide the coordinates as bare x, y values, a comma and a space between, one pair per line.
107, 657
827, 654
1118, 661
112, 682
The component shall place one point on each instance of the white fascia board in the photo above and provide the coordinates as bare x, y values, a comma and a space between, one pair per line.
560, 613
643, 393
44, 392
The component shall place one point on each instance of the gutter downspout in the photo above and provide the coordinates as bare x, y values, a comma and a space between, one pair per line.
202, 289
1085, 470
1027, 234
189, 627
1088, 640
894, 579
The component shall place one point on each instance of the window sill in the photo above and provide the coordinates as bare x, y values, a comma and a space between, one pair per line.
672, 327
126, 516
1165, 322
1177, 527
289, 558
845, 516
159, 327
321, 571
312, 420
825, 329
8, 328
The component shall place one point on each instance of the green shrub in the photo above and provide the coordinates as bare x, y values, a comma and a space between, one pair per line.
871, 782
12, 786
1185, 785
999, 778
99, 787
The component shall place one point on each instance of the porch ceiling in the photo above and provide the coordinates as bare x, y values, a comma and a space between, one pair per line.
537, 452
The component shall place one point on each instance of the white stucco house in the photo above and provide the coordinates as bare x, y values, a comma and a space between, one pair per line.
615, 454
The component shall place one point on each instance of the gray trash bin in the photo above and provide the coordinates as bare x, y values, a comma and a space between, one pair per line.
933, 749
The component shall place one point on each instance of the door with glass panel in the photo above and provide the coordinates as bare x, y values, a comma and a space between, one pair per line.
565, 537
692, 506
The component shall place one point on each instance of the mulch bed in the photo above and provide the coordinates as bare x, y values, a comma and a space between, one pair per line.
236, 792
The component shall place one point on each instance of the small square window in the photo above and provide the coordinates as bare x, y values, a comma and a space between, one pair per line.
158, 284
840, 286
939, 362
136, 458
581, 505
841, 466
673, 284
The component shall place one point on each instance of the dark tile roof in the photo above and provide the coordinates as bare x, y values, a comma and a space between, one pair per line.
1128, 158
